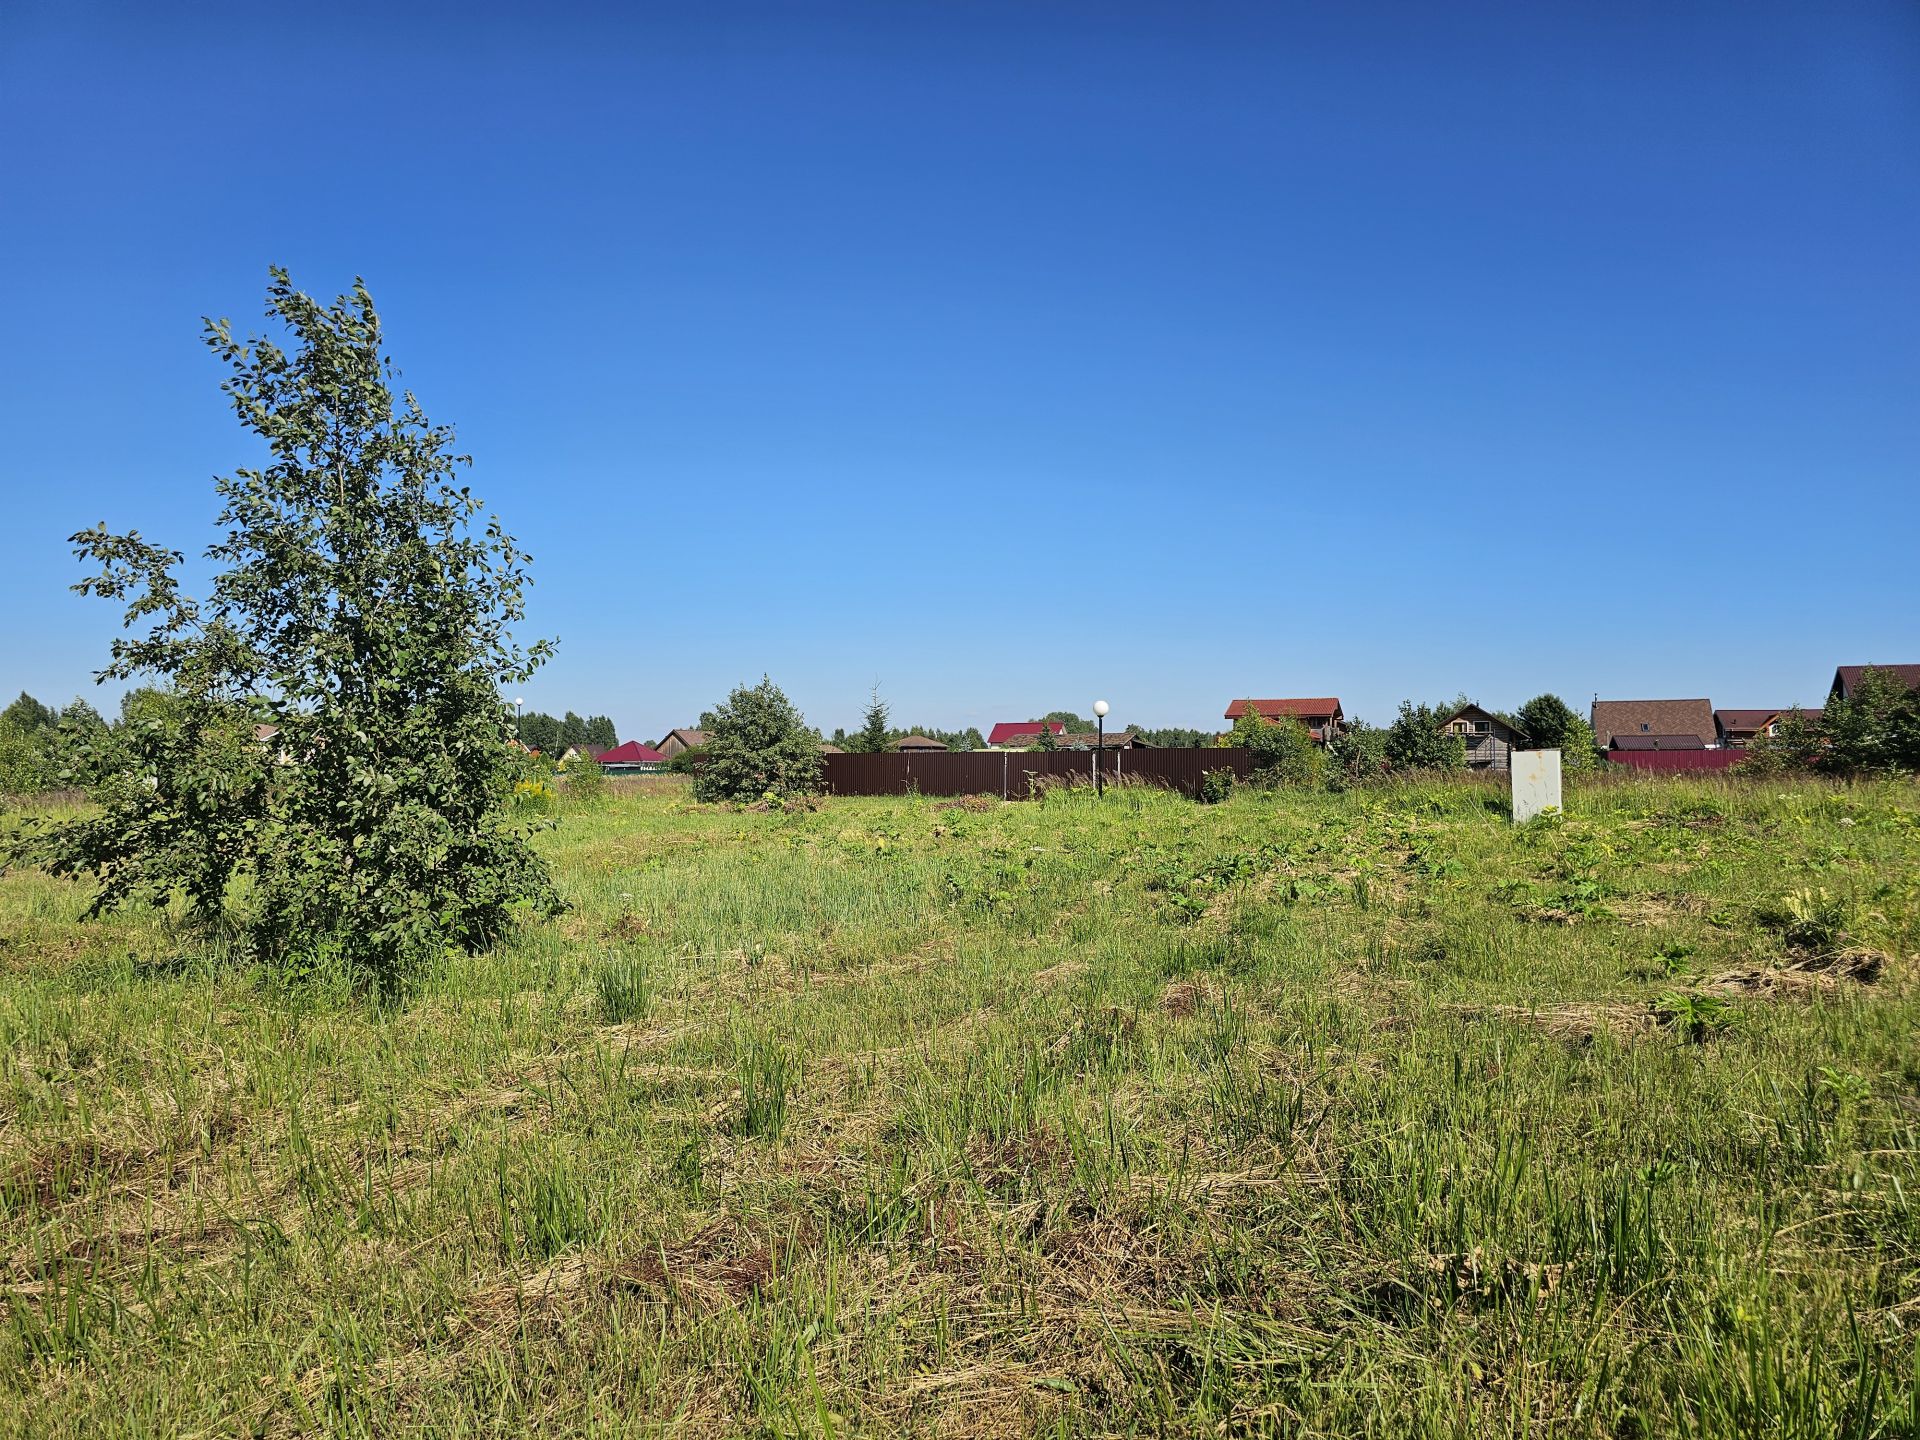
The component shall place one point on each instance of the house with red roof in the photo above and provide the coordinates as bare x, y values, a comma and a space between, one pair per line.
1021, 734
1321, 714
632, 758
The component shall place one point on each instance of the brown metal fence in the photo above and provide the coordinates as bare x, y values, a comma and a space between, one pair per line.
1014, 775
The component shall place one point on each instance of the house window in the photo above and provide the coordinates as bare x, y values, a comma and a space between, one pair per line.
1645, 727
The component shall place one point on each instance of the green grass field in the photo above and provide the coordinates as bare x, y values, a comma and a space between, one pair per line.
1314, 1114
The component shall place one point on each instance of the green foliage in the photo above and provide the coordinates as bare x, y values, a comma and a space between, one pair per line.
1418, 740
355, 609
1875, 730
1046, 741
27, 715
1284, 751
1357, 754
1216, 785
1797, 745
1809, 919
757, 744
1550, 724
873, 736
586, 780
1174, 737
625, 990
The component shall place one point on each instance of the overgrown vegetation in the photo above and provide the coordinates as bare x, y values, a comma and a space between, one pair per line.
1314, 1113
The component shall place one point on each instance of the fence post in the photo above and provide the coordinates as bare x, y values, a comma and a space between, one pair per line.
1003, 774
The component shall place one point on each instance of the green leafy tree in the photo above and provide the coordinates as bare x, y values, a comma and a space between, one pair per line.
1045, 740
27, 715
601, 734
1797, 745
1074, 723
573, 730
540, 731
356, 608
758, 743
1283, 751
1551, 724
1875, 730
1418, 739
873, 736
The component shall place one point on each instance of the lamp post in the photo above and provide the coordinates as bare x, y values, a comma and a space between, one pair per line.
518, 701
1099, 746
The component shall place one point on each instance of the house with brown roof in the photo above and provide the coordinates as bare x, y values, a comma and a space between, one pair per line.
1118, 740
1321, 715
1668, 720
1846, 678
1490, 741
917, 743
674, 741
1738, 729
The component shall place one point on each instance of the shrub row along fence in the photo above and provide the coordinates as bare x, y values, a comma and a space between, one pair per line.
1016, 775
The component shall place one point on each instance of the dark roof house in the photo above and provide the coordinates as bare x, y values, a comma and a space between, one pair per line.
1743, 727
1846, 678
1664, 718
1115, 740
918, 742
1656, 742
674, 741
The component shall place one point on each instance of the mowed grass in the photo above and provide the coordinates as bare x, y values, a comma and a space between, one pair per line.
1310, 1114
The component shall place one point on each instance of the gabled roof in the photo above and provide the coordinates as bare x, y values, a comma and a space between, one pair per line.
1658, 742
1846, 678
918, 742
692, 739
1480, 712
1116, 740
1652, 717
1306, 708
1005, 731
631, 753
1746, 719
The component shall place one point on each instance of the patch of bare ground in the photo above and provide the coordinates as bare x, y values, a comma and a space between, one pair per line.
1183, 998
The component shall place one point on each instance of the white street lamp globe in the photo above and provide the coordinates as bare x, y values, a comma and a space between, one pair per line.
1100, 708
519, 699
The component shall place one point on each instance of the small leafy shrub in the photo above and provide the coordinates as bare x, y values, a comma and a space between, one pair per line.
625, 990
1284, 751
1215, 786
1807, 919
1697, 1018
535, 796
586, 781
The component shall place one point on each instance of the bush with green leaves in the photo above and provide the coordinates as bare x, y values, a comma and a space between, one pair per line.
758, 744
1874, 730
1551, 724
1283, 751
1357, 754
355, 610
1418, 739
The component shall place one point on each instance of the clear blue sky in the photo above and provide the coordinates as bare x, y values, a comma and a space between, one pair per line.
1017, 354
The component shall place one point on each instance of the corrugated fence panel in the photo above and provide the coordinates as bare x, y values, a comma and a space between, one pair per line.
1677, 759
1013, 775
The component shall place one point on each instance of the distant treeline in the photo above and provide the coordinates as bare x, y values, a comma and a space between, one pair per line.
551, 736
